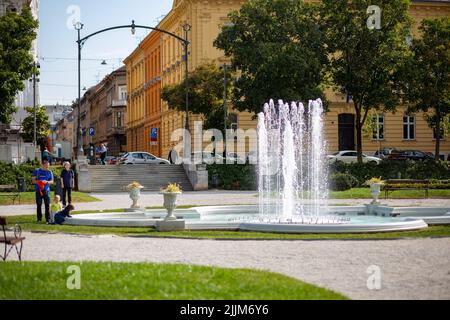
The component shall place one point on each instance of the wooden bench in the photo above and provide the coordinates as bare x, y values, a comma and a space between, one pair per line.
11, 241
406, 184
11, 194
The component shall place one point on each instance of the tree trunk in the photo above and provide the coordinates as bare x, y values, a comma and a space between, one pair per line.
437, 149
359, 135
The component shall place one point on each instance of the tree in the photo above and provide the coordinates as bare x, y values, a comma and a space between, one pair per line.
365, 62
42, 125
17, 33
206, 93
278, 48
428, 80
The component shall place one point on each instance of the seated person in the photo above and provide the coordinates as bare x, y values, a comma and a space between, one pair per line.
61, 216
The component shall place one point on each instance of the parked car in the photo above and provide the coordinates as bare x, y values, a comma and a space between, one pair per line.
385, 152
349, 156
141, 158
411, 155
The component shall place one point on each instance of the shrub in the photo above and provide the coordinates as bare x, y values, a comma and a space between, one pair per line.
234, 177
342, 182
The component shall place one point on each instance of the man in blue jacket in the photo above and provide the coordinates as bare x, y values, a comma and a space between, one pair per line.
42, 179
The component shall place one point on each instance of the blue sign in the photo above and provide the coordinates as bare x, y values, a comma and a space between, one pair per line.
91, 132
154, 136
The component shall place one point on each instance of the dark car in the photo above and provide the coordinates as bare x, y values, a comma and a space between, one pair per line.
385, 152
415, 155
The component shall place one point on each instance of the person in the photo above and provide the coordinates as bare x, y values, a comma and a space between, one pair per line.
42, 179
67, 183
46, 155
55, 207
61, 216
103, 152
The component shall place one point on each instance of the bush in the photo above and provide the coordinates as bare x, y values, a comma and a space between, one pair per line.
233, 177
389, 169
342, 182
9, 173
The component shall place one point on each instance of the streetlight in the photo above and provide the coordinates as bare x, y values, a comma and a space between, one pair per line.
80, 152
184, 41
36, 66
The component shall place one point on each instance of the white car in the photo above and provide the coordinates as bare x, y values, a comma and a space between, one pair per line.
351, 157
141, 158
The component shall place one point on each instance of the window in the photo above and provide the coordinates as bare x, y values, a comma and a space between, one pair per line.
137, 155
119, 119
409, 127
378, 130
122, 93
350, 154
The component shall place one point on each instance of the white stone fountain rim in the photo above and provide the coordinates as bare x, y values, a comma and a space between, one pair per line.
407, 219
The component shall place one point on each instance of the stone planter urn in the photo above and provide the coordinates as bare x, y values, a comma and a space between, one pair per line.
375, 190
170, 203
134, 190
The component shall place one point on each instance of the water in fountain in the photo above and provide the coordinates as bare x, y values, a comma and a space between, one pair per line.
291, 163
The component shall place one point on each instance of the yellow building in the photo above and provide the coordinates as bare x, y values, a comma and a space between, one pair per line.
400, 130
206, 17
135, 115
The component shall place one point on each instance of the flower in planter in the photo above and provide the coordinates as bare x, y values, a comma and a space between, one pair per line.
172, 188
374, 181
134, 185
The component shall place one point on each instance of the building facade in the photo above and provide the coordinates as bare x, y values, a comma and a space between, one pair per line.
10, 134
146, 110
144, 96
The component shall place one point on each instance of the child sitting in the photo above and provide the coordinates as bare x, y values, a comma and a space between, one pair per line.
61, 216
55, 208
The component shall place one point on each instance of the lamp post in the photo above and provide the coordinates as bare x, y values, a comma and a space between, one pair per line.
80, 151
184, 41
36, 66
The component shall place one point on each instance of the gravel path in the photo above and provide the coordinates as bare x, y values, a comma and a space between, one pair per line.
206, 198
410, 269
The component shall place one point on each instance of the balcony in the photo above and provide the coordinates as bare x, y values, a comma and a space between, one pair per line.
116, 131
119, 103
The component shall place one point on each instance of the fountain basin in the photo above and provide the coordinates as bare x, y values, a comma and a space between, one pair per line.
247, 218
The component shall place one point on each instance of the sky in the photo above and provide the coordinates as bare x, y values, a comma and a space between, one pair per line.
58, 48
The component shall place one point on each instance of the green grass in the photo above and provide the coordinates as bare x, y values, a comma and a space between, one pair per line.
364, 193
30, 198
139, 281
28, 224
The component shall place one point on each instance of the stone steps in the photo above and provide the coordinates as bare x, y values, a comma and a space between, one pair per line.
152, 177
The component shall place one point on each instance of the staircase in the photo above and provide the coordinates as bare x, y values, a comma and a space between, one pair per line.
153, 177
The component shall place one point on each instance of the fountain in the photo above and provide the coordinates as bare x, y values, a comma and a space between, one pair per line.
292, 189
291, 166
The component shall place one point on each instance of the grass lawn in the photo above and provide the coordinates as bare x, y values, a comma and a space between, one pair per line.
28, 224
30, 198
127, 281
364, 193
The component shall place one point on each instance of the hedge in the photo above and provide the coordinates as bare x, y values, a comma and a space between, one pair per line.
244, 177
9, 173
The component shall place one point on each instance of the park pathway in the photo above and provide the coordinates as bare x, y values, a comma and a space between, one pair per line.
410, 268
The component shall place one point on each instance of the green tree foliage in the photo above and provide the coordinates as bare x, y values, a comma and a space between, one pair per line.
17, 33
428, 75
278, 47
42, 124
365, 62
206, 93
